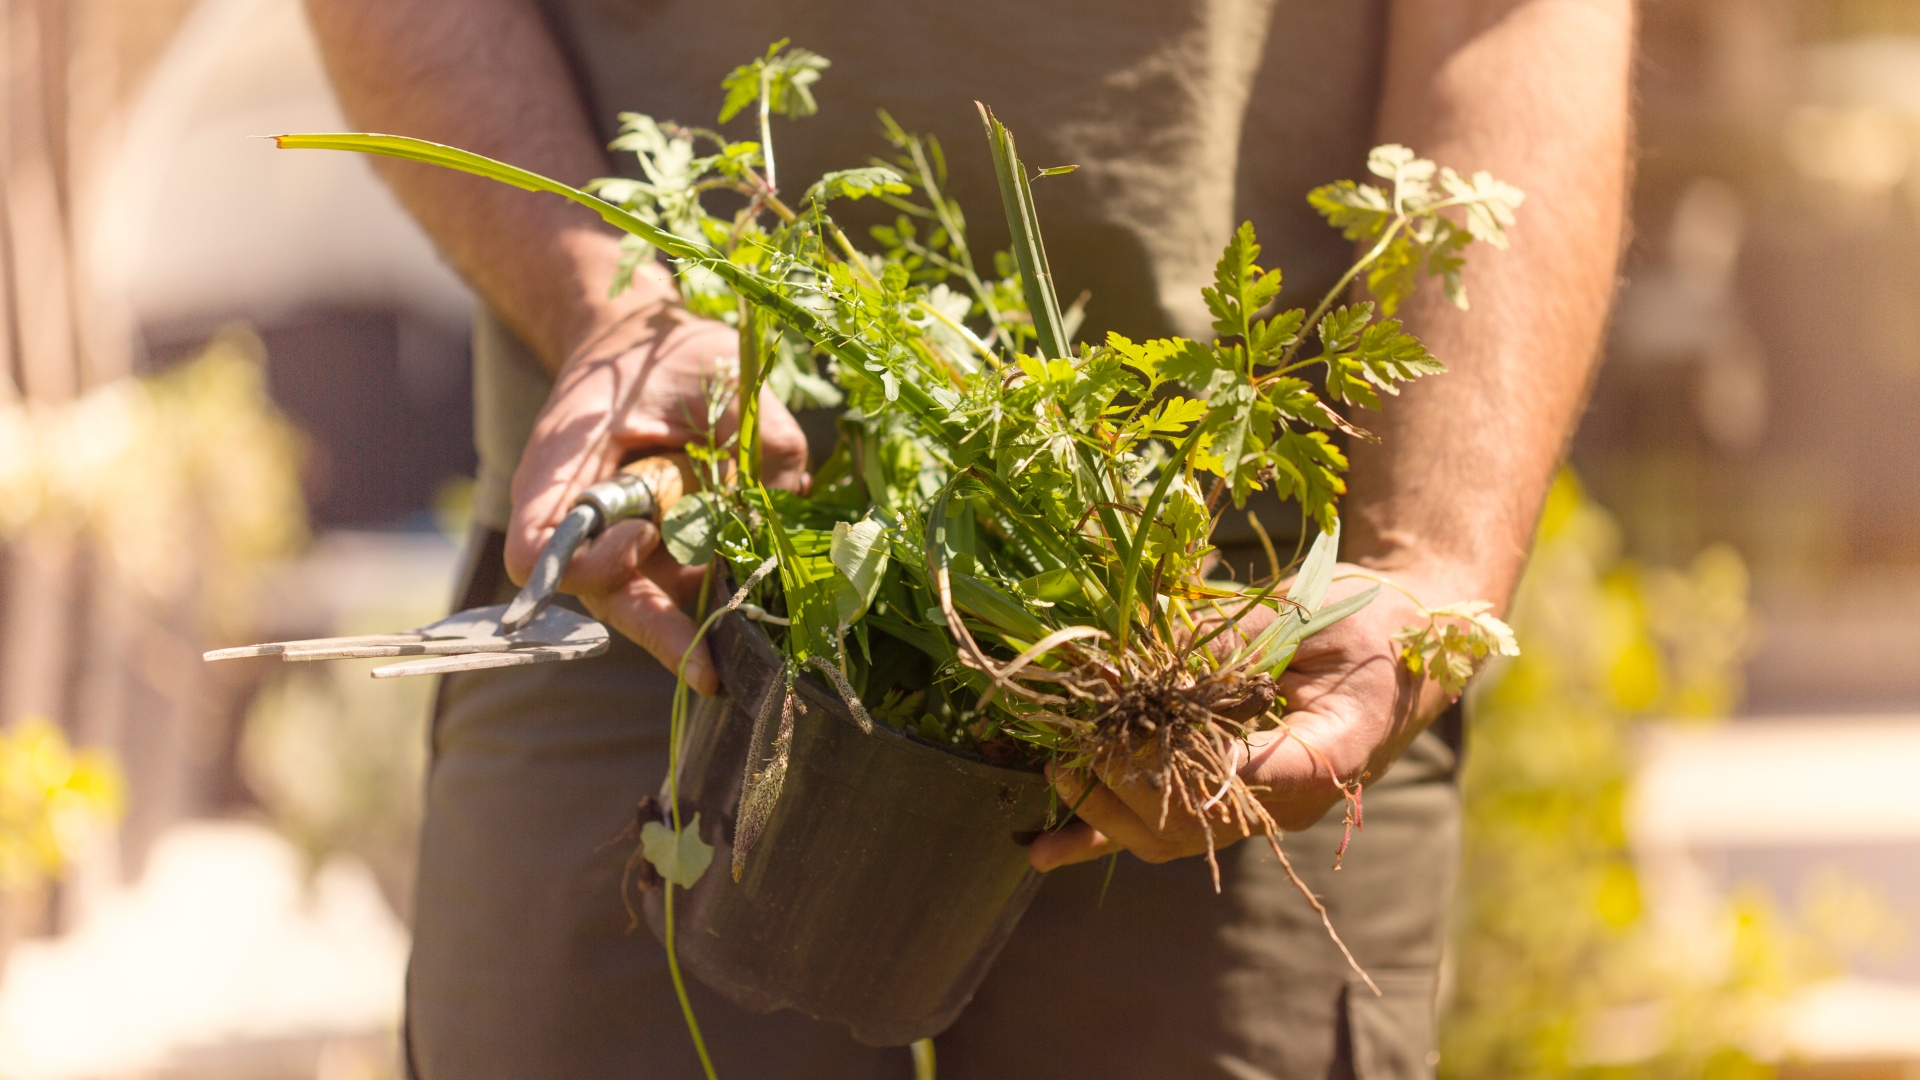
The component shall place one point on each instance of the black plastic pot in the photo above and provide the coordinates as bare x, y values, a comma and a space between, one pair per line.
887, 878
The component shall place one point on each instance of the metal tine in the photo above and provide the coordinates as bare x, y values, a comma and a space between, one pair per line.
446, 665
432, 647
280, 648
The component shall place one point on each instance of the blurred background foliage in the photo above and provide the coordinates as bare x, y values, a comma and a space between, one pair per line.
1558, 967
188, 481
51, 801
336, 760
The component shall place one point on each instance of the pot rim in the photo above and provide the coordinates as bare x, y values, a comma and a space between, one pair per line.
828, 698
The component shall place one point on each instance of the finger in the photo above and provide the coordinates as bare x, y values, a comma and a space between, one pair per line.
680, 582
644, 612
1102, 809
1078, 842
1299, 778
612, 558
568, 450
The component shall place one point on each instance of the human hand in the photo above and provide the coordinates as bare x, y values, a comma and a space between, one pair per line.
1352, 708
637, 385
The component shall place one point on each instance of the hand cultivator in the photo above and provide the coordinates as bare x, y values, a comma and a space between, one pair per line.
529, 630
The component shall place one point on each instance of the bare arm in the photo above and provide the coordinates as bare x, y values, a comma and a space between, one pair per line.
1535, 92
629, 372
486, 76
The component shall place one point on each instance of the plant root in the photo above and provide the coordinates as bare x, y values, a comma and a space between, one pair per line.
760, 787
1181, 733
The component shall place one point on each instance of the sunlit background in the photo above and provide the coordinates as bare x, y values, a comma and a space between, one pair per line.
235, 408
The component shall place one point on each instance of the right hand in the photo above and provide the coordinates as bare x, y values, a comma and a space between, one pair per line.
636, 386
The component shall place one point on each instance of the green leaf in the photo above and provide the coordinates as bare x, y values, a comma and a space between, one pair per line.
1230, 430
1307, 467
1454, 642
1200, 368
854, 355
1310, 585
1181, 526
1002, 610
1360, 211
1278, 651
1240, 287
810, 603
857, 184
1273, 336
789, 77
1489, 203
1149, 357
1054, 586
1057, 170
1170, 417
859, 554
1340, 330
1294, 399
1380, 358
680, 857
690, 528
1411, 174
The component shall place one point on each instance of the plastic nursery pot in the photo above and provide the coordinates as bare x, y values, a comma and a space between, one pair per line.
886, 879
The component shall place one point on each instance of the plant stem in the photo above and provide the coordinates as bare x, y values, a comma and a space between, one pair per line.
1339, 289
766, 127
1138, 546
675, 726
923, 1059
752, 371
1389, 583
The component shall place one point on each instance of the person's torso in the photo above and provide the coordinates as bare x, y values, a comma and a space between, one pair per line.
1185, 116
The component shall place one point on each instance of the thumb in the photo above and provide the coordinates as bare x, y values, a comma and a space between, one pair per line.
568, 450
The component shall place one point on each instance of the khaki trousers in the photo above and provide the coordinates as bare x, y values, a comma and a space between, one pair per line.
524, 966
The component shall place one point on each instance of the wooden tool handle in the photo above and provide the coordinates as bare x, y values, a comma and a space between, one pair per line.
648, 487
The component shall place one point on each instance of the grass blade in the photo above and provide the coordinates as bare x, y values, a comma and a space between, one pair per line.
853, 355
1024, 226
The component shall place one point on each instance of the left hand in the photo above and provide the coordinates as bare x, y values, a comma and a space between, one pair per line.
1350, 698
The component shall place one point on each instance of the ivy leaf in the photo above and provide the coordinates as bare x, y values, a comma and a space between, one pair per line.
1240, 287
690, 528
857, 184
680, 857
